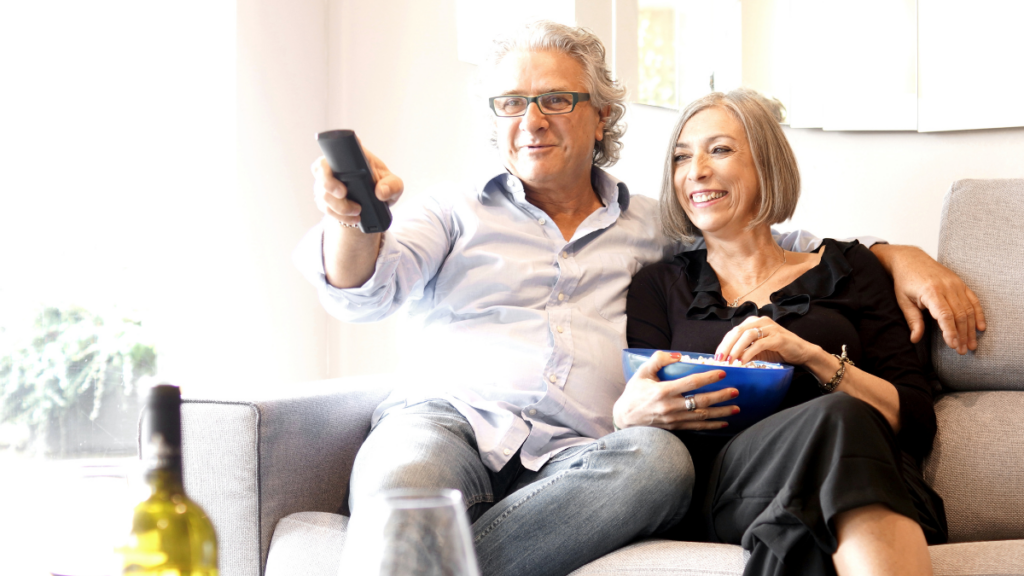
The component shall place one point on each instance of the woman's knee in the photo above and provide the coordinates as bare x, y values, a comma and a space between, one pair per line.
842, 408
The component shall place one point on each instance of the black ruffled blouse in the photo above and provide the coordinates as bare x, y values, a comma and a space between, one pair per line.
846, 299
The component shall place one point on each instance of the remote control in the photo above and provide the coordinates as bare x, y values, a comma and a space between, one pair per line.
348, 163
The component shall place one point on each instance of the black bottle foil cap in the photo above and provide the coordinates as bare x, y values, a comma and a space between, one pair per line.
162, 429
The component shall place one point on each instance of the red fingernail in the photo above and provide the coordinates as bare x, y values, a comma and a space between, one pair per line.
718, 356
676, 355
724, 424
735, 409
734, 393
728, 358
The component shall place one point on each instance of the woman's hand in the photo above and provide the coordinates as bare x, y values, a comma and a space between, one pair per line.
647, 401
760, 338
763, 339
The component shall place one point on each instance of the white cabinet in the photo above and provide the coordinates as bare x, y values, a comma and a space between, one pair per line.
970, 64
854, 65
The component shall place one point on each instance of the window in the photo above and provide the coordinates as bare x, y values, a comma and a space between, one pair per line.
117, 166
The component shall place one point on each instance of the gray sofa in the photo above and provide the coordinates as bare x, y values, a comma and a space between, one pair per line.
272, 469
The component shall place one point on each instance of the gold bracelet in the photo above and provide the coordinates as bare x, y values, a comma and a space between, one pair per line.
831, 385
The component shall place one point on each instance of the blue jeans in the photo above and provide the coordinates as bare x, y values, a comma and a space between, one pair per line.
582, 504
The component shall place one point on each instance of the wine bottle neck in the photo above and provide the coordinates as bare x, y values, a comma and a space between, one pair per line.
165, 480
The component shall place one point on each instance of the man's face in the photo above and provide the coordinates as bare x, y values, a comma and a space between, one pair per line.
546, 151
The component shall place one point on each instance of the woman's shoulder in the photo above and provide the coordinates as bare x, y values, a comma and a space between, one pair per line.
855, 253
861, 263
679, 269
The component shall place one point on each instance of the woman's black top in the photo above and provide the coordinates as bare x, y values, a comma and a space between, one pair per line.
846, 299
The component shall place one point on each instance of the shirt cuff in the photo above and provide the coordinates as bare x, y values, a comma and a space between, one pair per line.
365, 302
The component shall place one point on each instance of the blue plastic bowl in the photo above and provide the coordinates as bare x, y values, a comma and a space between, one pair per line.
761, 389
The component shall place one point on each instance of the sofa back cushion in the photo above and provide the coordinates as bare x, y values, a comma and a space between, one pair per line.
977, 464
981, 238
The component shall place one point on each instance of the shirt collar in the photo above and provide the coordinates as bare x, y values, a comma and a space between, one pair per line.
609, 188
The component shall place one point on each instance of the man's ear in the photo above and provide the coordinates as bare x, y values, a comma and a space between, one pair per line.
606, 112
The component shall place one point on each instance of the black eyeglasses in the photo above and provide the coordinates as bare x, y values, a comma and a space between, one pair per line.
550, 103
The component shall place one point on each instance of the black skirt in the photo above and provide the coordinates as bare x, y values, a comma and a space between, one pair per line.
776, 487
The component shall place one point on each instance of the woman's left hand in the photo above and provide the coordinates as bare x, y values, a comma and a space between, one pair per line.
760, 338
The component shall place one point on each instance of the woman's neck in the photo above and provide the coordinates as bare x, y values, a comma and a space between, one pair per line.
746, 258
751, 266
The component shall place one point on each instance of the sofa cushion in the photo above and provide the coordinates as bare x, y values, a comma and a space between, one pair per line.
310, 544
978, 558
669, 558
980, 239
307, 544
977, 464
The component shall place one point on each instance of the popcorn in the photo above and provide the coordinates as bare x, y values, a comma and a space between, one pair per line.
735, 363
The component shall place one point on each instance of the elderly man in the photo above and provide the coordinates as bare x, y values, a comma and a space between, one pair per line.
521, 284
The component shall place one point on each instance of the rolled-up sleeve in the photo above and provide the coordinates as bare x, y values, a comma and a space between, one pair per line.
410, 255
804, 241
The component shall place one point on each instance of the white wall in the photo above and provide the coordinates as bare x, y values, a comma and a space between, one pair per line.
389, 56
282, 104
396, 80
892, 184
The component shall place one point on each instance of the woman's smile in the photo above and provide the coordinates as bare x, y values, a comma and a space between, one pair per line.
702, 198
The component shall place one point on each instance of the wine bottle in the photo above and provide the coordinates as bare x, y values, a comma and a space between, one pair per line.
170, 535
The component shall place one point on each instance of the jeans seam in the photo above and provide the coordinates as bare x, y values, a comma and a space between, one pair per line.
599, 445
479, 499
508, 511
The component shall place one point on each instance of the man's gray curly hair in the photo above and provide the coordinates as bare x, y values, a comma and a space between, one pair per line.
586, 48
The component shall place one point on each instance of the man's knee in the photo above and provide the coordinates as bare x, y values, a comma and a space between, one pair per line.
659, 467
418, 449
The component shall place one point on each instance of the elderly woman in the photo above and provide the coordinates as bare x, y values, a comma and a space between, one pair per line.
830, 482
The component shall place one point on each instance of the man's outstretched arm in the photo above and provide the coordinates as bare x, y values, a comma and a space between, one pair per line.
921, 283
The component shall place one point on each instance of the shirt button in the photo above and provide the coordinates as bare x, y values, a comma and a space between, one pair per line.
541, 221
532, 411
507, 451
553, 378
565, 254
561, 296
559, 328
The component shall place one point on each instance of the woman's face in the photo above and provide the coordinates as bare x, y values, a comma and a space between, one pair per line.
714, 175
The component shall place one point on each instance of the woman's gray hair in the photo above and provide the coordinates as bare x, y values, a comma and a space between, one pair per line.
586, 48
777, 173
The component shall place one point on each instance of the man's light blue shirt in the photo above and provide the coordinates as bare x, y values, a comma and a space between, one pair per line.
522, 330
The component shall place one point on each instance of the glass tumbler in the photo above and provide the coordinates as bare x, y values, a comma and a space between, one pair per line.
414, 532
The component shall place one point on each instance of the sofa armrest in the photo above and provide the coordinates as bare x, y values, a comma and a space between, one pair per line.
251, 461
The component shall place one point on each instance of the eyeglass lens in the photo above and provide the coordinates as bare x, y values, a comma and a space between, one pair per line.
553, 103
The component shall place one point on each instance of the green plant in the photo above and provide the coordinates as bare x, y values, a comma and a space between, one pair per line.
66, 369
